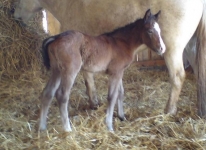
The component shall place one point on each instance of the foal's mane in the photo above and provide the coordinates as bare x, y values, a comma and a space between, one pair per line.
126, 30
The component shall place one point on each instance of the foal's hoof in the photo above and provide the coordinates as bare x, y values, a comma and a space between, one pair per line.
42, 127
110, 129
94, 106
122, 118
67, 130
171, 110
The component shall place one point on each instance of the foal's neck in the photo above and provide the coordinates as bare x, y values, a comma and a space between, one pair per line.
131, 34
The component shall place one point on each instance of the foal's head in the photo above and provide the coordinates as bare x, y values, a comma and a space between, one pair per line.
151, 33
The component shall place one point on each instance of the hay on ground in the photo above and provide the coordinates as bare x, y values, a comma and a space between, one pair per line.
146, 93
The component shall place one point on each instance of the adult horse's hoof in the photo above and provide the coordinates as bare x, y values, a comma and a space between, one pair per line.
172, 110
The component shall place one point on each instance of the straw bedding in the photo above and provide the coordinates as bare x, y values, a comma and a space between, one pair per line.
22, 79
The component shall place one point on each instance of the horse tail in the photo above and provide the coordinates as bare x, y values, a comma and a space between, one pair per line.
201, 64
44, 51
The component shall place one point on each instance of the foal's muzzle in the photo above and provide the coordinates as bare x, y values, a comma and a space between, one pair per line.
162, 48
160, 51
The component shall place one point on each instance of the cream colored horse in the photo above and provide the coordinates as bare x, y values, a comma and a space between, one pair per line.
180, 20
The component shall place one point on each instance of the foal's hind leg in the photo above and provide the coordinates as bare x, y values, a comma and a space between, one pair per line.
90, 89
174, 63
62, 96
47, 96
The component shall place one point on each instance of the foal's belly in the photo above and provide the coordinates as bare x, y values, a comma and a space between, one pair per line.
94, 68
95, 65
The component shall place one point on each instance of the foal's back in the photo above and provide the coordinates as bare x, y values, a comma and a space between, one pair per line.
102, 52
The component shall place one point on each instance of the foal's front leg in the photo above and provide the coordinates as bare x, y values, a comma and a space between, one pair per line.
90, 89
113, 93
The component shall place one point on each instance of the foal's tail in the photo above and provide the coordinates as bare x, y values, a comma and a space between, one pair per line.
45, 45
44, 51
201, 64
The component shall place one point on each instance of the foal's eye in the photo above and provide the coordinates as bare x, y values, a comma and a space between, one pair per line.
150, 31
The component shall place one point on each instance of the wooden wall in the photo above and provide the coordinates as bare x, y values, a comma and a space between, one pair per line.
148, 58
53, 24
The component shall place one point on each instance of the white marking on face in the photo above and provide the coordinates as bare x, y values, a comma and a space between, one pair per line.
157, 28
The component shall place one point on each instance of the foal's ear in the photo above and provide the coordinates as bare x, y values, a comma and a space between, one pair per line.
157, 15
147, 15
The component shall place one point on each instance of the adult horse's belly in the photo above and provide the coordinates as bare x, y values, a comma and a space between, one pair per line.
179, 20
176, 15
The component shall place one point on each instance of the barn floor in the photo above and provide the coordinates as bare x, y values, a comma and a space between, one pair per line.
146, 92
146, 127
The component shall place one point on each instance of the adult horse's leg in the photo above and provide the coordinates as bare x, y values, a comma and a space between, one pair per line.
174, 63
176, 40
62, 96
47, 96
113, 93
90, 89
201, 61
199, 65
190, 53
120, 102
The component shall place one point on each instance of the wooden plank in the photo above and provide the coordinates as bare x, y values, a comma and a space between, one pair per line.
149, 54
140, 56
150, 63
155, 56
145, 55
53, 24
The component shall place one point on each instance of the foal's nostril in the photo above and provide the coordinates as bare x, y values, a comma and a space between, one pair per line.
161, 48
